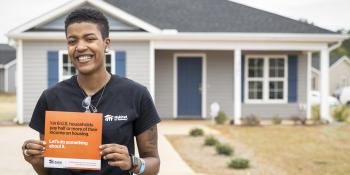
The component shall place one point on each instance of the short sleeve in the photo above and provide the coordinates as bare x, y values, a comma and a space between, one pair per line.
148, 115
38, 118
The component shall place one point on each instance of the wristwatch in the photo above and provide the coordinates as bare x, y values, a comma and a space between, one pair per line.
134, 163
142, 167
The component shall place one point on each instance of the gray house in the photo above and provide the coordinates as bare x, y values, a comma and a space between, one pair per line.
7, 68
189, 54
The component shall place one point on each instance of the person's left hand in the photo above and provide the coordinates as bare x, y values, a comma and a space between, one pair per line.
116, 155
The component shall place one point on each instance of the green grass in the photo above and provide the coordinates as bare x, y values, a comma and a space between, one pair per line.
8, 106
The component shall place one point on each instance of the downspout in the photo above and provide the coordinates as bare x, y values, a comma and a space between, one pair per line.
336, 45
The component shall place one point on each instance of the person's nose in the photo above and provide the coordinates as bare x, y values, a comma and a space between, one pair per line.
81, 47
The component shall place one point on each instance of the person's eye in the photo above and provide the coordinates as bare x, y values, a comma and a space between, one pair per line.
71, 41
91, 39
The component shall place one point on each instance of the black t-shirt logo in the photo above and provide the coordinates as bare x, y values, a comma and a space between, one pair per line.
110, 118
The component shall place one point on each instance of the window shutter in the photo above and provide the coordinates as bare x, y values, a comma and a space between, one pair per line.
292, 78
52, 68
120, 57
242, 77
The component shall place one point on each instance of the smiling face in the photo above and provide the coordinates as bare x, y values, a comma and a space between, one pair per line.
86, 47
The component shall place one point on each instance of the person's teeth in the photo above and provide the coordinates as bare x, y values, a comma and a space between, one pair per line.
84, 58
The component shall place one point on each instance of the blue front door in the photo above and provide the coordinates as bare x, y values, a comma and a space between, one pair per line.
189, 80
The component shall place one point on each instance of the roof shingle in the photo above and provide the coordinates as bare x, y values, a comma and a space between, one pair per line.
7, 54
212, 16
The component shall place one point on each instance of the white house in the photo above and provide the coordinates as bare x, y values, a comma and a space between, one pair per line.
188, 53
339, 73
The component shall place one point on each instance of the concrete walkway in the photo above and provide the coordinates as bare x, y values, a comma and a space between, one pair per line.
12, 137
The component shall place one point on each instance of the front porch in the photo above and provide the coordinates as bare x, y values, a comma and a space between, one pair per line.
226, 80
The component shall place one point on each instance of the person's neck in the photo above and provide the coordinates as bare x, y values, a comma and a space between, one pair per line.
94, 82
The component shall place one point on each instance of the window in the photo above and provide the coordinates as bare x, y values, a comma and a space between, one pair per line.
266, 79
67, 70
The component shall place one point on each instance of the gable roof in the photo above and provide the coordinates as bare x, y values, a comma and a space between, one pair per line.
7, 54
332, 61
184, 20
69, 6
212, 16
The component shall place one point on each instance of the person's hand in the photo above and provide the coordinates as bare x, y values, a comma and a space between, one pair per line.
33, 151
116, 155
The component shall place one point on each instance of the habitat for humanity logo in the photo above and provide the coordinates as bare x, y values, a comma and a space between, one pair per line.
109, 118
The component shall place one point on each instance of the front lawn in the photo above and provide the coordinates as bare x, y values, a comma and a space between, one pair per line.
273, 149
7, 106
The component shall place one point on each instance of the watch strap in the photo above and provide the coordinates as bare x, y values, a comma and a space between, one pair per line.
142, 168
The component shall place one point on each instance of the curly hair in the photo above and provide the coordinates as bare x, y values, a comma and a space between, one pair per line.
86, 14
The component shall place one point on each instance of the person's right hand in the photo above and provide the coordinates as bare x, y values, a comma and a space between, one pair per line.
33, 151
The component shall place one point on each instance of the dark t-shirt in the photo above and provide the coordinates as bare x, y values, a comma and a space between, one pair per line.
121, 97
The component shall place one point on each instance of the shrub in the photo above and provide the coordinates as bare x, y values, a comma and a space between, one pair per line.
210, 141
340, 113
250, 120
196, 132
315, 114
221, 118
224, 149
276, 120
239, 163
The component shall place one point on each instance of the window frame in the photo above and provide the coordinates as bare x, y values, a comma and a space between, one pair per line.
62, 77
265, 79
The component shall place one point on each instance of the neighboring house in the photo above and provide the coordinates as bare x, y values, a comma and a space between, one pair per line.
189, 54
7, 68
339, 73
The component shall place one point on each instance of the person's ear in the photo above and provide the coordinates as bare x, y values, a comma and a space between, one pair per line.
107, 41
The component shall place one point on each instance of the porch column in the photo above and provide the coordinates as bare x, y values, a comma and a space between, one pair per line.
324, 85
152, 71
19, 80
308, 84
237, 101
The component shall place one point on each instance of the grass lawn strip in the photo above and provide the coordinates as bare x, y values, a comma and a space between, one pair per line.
307, 150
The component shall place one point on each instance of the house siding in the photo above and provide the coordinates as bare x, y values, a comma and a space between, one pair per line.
220, 80
219, 64
137, 60
267, 111
315, 81
2, 79
12, 78
164, 83
339, 76
35, 72
35, 67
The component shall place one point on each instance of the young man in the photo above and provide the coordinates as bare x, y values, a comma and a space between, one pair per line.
95, 90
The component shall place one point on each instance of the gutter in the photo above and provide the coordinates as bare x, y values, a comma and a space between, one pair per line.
338, 44
173, 35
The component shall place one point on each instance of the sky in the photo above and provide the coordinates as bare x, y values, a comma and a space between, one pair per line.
329, 14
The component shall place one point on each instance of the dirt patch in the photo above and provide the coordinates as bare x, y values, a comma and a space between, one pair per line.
205, 160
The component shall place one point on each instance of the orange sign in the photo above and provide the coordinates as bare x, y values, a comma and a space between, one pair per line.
73, 140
